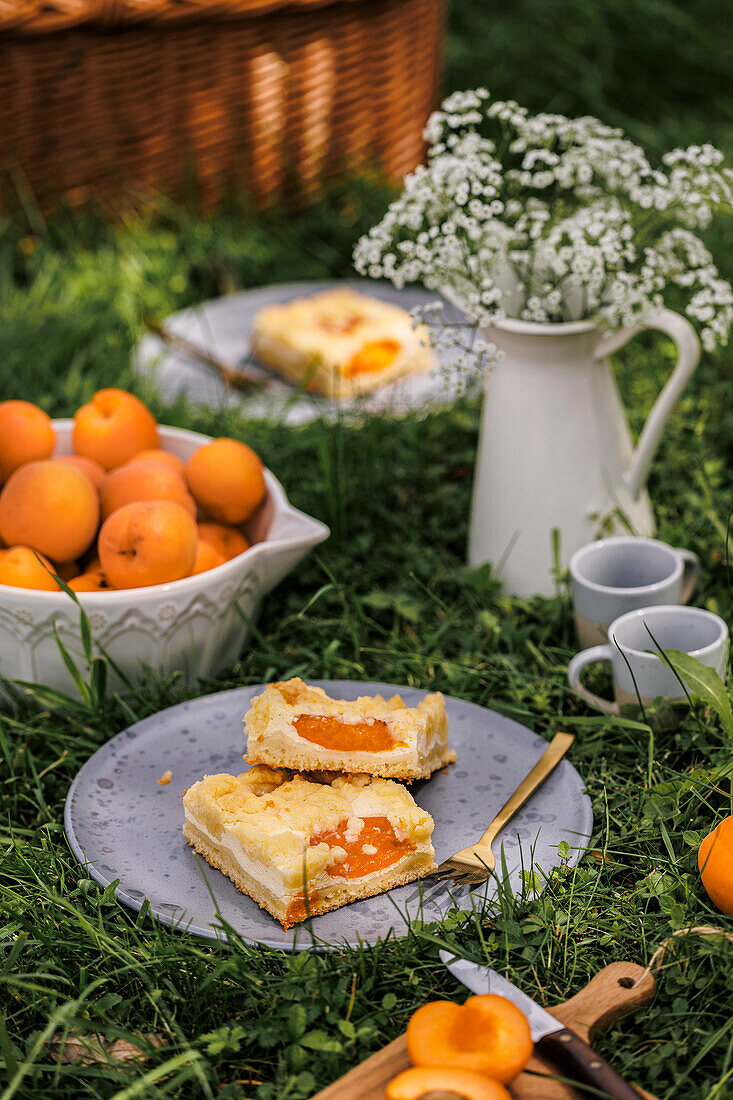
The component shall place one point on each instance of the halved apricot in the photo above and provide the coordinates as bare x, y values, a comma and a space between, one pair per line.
426, 1081
487, 1034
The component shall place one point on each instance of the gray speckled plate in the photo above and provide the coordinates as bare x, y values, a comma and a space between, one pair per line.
224, 326
124, 826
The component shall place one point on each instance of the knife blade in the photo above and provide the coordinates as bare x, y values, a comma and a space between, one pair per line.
551, 1037
479, 979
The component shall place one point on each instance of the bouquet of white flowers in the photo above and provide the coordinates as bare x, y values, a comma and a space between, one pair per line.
548, 218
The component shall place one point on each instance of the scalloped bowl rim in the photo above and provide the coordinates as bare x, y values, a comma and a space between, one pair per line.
281, 504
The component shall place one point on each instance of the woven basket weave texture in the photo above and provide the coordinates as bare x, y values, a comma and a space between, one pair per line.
98, 97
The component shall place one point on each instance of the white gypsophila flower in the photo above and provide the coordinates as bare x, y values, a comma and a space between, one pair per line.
549, 219
466, 354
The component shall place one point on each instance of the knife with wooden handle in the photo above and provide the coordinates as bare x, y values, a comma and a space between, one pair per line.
549, 1035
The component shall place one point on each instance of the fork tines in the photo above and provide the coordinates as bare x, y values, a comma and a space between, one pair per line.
461, 873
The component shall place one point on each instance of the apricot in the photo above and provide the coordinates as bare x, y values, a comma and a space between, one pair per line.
487, 1034
207, 557
94, 580
137, 481
228, 541
67, 570
715, 860
51, 507
425, 1081
148, 542
160, 455
26, 435
20, 568
113, 427
94, 471
227, 480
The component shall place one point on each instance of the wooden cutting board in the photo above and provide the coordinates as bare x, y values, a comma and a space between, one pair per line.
612, 993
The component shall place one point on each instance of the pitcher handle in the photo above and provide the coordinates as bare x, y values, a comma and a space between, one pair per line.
688, 348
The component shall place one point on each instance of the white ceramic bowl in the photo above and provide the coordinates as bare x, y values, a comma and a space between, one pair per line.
196, 626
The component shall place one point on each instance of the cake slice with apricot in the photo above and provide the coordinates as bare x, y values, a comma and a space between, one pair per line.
341, 343
301, 845
295, 725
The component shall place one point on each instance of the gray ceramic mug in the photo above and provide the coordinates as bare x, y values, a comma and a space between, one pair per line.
637, 671
612, 576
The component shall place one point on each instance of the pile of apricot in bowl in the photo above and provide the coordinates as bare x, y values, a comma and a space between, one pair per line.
120, 512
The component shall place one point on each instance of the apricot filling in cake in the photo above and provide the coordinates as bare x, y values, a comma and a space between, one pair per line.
371, 846
340, 343
282, 838
375, 356
295, 725
331, 733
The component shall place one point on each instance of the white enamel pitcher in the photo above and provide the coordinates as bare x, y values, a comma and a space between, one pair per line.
555, 451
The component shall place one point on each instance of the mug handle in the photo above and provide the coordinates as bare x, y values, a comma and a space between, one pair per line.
688, 355
690, 575
576, 666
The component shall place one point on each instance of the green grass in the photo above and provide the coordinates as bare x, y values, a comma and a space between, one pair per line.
388, 597
659, 68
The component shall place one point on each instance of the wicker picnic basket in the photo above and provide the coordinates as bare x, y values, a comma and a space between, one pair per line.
206, 97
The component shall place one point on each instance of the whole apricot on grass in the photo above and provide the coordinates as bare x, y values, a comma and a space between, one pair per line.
94, 471
138, 481
487, 1034
424, 1081
150, 542
227, 541
26, 435
113, 427
20, 568
715, 860
51, 507
227, 480
160, 455
206, 558
94, 580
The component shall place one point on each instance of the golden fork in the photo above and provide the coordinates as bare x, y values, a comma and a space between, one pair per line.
473, 865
